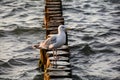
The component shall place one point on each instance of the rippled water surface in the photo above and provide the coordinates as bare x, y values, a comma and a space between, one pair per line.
94, 41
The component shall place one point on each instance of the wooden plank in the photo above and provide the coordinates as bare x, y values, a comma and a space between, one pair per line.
61, 58
52, 28
61, 63
58, 69
55, 15
61, 79
53, 6
49, 17
61, 74
53, 3
53, 32
53, 12
59, 21
57, 18
53, 9
54, 24
59, 53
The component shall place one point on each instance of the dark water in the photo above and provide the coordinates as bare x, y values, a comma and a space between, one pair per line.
20, 27
94, 42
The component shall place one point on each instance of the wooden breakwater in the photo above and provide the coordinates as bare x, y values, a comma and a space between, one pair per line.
52, 19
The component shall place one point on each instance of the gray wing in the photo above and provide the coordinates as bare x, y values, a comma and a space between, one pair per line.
51, 40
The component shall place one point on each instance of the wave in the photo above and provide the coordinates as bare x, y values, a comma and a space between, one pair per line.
87, 50
16, 62
2, 33
5, 64
24, 60
7, 79
21, 30
113, 1
5, 2
13, 12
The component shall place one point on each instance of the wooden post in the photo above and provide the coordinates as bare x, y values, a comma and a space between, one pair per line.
53, 18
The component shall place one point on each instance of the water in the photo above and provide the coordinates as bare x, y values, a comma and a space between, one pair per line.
20, 28
94, 42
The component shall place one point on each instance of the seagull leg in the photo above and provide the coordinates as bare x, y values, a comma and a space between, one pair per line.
56, 58
53, 57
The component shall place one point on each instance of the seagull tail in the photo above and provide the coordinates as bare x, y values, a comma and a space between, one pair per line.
36, 46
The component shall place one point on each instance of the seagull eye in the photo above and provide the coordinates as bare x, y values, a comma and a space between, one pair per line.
62, 27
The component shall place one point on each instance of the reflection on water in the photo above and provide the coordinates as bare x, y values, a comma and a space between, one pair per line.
94, 41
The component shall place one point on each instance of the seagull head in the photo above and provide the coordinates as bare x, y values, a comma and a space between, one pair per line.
62, 28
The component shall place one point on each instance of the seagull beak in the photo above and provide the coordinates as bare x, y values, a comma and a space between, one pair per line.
69, 28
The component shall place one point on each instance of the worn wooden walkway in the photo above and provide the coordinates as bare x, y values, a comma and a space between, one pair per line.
53, 18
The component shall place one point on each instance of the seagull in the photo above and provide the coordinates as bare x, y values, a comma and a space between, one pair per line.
54, 41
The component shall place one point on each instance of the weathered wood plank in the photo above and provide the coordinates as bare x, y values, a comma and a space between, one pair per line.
61, 58
52, 6
55, 15
61, 79
61, 63
59, 21
53, 0
53, 3
53, 9
53, 12
58, 69
59, 52
53, 32
61, 74
58, 18
52, 28
53, 24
